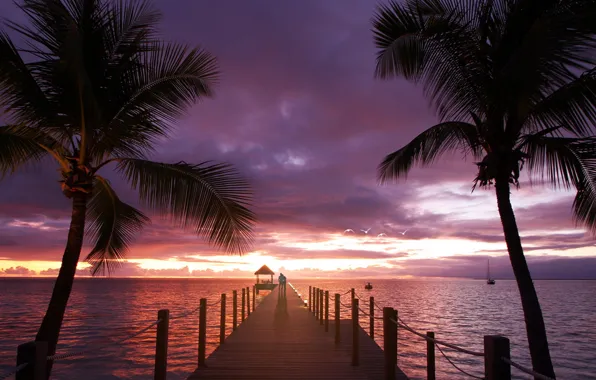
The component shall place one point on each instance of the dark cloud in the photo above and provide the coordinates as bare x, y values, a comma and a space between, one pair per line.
303, 254
541, 267
299, 113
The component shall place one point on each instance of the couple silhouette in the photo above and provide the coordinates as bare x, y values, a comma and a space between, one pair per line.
282, 286
281, 309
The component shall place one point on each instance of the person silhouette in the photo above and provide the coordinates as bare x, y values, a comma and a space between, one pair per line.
282, 285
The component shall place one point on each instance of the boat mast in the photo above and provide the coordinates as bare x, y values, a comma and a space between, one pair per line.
488, 270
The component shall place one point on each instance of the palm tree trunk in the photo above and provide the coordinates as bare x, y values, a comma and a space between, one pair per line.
52, 321
535, 329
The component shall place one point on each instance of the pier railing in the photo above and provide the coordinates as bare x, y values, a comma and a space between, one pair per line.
32, 357
496, 354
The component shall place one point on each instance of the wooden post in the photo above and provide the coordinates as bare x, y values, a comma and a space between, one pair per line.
353, 294
314, 300
318, 303
316, 296
396, 318
247, 302
202, 331
430, 356
161, 345
243, 302
309, 298
389, 342
34, 353
355, 333
495, 368
337, 318
234, 310
222, 320
321, 306
371, 313
326, 310
254, 297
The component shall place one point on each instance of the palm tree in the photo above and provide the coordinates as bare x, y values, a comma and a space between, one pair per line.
513, 81
95, 87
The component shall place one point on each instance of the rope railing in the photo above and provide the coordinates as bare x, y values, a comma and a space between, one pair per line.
101, 347
401, 324
14, 371
185, 314
455, 366
214, 303
498, 346
526, 370
438, 344
34, 359
364, 312
82, 351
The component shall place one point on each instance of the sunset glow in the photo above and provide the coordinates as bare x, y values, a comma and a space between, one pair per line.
307, 124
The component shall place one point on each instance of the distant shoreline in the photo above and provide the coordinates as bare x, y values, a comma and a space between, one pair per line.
296, 278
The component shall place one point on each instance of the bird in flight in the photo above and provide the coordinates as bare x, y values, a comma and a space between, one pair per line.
349, 230
381, 234
403, 233
365, 231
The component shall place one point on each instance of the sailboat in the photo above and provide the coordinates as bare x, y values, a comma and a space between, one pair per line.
489, 280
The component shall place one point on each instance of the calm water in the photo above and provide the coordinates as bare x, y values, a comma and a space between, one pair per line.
102, 311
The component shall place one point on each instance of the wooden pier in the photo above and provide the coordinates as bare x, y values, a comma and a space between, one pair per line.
288, 338
283, 340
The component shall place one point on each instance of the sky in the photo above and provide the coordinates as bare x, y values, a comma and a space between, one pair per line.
300, 114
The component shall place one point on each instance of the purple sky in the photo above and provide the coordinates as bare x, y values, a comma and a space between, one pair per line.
299, 112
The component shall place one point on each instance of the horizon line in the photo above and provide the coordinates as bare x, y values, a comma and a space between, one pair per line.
410, 277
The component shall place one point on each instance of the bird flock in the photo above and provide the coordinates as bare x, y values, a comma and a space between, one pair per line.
382, 234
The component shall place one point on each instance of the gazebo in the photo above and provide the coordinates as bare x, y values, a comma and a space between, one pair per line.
264, 284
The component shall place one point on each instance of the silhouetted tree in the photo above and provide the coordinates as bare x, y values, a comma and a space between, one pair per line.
94, 87
513, 81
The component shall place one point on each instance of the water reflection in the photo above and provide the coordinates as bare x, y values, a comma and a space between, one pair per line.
103, 311
463, 311
458, 311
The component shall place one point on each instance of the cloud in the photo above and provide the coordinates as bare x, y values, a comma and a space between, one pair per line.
300, 114
17, 271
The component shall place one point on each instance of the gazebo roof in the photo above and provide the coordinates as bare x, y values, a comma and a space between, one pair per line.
265, 270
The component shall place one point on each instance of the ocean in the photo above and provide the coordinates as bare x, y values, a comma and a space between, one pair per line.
103, 311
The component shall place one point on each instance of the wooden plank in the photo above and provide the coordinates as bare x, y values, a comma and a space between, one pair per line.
287, 341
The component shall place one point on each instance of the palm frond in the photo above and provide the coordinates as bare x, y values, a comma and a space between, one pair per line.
212, 199
433, 41
397, 36
428, 146
19, 145
150, 97
135, 135
48, 26
112, 227
560, 160
131, 30
573, 106
65, 38
543, 45
21, 97
171, 77
584, 203
567, 162
542, 40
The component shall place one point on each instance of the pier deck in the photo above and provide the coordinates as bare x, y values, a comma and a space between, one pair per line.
271, 344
